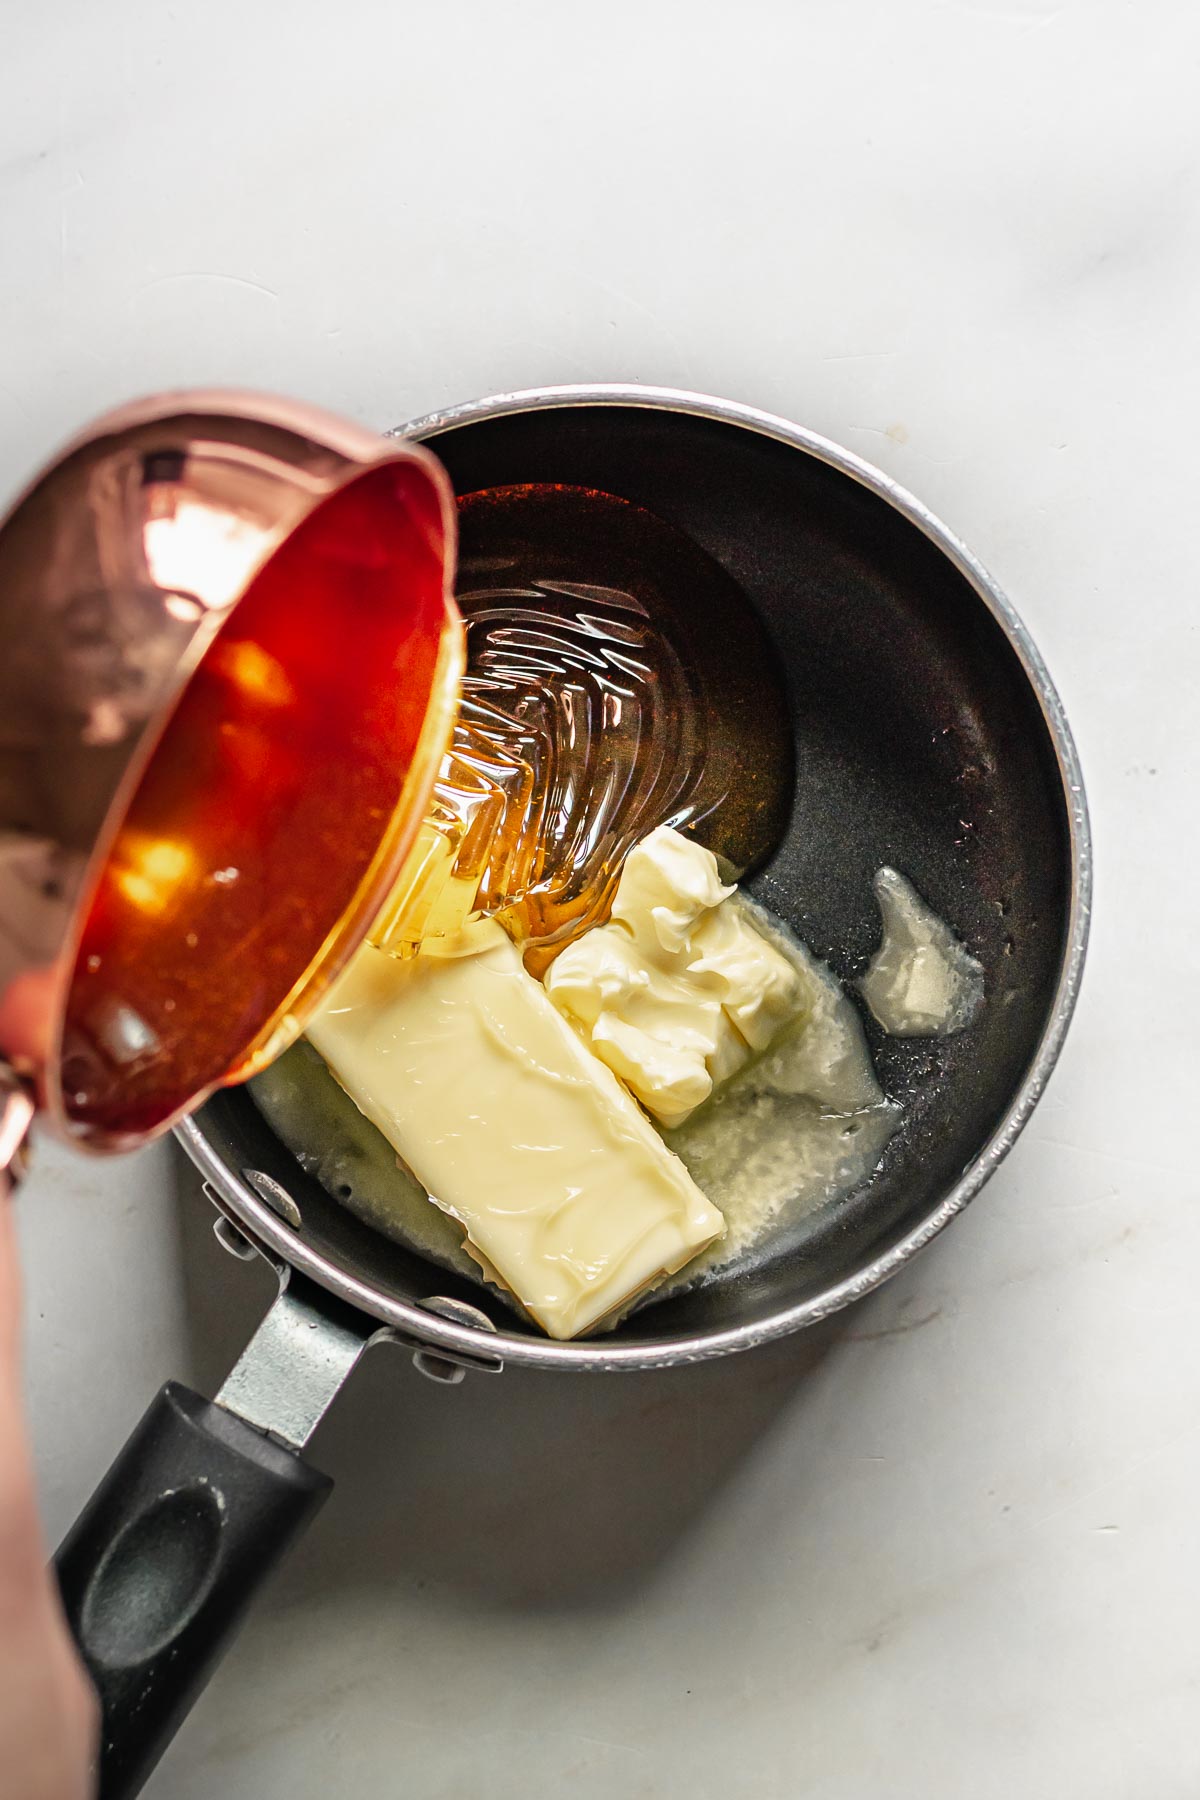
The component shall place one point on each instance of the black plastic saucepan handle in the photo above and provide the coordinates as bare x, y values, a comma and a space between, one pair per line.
195, 1513
160, 1568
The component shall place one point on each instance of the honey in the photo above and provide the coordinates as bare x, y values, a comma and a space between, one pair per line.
276, 789
617, 679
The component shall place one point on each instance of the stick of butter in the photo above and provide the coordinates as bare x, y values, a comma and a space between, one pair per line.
513, 1126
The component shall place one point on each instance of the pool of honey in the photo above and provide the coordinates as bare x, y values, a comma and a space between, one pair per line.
617, 679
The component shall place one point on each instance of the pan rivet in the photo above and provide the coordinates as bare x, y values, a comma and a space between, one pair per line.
231, 1239
275, 1195
436, 1368
449, 1370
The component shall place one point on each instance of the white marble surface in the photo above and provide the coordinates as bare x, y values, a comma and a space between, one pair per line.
948, 1548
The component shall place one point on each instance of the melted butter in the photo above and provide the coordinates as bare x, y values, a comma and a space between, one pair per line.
799, 1128
922, 982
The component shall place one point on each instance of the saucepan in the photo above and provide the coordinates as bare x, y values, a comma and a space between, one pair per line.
927, 736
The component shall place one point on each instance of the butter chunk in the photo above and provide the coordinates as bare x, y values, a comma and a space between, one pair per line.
674, 1074
667, 883
679, 989
513, 1126
760, 989
922, 982
658, 1027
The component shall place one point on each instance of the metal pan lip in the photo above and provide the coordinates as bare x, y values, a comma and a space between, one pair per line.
412, 1322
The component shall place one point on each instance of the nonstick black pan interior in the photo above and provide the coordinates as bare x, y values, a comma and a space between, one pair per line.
919, 743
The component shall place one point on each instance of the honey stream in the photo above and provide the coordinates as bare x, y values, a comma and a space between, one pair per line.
617, 679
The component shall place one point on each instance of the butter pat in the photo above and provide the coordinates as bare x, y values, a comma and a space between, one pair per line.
922, 982
679, 990
667, 884
513, 1127
760, 989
